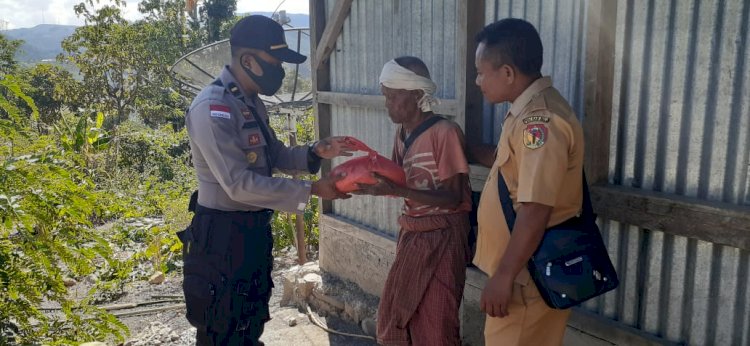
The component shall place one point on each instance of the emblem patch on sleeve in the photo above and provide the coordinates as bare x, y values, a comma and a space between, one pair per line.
253, 139
220, 111
246, 114
252, 157
534, 136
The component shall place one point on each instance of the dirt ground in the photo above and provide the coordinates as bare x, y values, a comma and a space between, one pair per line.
171, 328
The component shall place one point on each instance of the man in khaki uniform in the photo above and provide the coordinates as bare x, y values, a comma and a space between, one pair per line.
540, 156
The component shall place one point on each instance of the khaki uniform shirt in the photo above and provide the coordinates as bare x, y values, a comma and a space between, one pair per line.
540, 155
233, 160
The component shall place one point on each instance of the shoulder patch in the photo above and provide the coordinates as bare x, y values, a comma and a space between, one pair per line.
534, 136
535, 119
220, 111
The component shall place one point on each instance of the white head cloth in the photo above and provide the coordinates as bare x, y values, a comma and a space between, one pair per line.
395, 76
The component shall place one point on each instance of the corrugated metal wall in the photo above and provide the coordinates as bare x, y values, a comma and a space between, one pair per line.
681, 125
562, 26
375, 32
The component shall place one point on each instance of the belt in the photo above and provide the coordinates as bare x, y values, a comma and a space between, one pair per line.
259, 217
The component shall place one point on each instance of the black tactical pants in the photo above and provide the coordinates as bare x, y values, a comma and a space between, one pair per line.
227, 275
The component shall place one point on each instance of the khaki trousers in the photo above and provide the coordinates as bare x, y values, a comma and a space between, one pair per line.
530, 322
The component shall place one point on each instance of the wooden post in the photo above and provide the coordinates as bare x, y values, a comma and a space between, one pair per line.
326, 42
299, 224
321, 80
472, 96
598, 85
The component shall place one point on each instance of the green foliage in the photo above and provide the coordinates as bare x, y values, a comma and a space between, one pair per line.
283, 224
90, 167
125, 65
46, 202
50, 86
213, 14
8, 50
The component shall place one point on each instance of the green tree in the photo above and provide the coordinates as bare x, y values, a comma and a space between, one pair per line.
8, 50
52, 88
213, 14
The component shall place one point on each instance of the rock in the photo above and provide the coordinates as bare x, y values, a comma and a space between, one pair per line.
369, 326
310, 267
333, 302
355, 310
291, 321
69, 282
93, 343
157, 278
288, 283
313, 278
306, 285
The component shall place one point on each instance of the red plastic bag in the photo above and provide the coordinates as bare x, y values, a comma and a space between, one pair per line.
360, 169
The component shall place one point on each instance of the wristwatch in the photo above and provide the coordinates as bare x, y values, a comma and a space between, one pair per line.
313, 159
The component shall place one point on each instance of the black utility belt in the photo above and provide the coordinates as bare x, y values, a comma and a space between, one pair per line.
259, 217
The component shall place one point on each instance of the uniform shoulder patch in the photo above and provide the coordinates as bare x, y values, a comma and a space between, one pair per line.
535, 119
535, 135
220, 111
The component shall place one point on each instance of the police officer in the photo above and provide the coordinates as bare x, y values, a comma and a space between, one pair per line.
227, 248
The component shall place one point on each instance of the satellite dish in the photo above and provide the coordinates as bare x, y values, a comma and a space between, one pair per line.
201, 67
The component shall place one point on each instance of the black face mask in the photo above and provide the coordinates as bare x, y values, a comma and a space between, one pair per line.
270, 81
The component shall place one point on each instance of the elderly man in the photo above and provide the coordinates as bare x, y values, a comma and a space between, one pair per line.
422, 294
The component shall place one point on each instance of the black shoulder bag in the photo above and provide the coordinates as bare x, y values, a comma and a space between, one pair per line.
571, 264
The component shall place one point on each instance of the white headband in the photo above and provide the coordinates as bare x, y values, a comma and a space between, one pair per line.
395, 76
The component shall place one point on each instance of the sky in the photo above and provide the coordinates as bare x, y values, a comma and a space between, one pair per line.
29, 13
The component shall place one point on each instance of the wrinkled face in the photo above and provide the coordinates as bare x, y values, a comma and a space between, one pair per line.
401, 104
495, 83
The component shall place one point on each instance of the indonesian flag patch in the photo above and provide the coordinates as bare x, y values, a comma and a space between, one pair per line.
220, 111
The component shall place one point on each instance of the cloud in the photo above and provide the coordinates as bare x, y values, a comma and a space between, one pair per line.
29, 13
291, 6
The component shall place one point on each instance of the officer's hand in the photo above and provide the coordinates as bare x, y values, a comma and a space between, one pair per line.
325, 188
496, 296
383, 187
331, 147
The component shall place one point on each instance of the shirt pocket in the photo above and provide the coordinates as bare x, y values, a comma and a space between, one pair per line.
254, 146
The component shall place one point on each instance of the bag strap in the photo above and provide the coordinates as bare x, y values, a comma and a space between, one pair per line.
418, 131
587, 211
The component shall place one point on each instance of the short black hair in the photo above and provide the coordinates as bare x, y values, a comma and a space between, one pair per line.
515, 42
414, 64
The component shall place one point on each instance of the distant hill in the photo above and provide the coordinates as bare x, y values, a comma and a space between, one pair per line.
43, 41
298, 20
40, 42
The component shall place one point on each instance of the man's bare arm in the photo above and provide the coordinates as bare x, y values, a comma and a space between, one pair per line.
531, 222
449, 196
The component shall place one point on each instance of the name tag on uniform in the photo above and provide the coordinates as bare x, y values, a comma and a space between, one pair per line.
220, 111
250, 125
